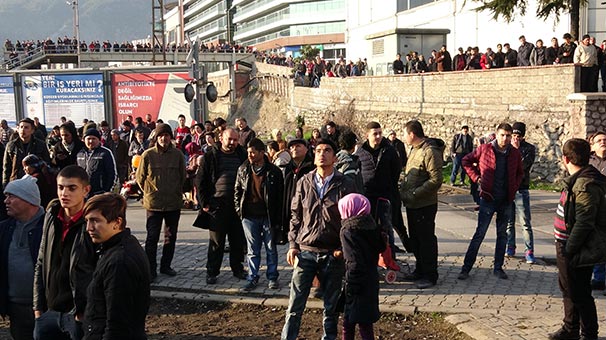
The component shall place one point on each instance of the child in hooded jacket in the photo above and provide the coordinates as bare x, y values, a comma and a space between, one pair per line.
362, 242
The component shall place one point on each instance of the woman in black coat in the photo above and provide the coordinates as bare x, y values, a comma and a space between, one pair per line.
362, 242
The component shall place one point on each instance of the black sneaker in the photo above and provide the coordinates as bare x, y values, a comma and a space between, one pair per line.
500, 274
273, 284
250, 285
563, 334
168, 271
463, 275
411, 277
424, 284
211, 280
242, 275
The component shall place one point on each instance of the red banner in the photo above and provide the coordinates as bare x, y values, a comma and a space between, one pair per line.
159, 94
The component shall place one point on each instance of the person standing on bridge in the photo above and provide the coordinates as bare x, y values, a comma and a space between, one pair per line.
580, 234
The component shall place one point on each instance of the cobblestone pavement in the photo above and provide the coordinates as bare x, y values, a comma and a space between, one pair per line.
526, 306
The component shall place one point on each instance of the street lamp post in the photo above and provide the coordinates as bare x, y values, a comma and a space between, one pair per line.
74, 4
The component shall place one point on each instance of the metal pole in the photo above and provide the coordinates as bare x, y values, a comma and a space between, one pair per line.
196, 75
77, 29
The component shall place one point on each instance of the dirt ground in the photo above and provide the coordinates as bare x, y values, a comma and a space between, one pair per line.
188, 320
171, 319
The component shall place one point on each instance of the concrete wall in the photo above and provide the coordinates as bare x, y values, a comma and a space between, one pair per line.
444, 102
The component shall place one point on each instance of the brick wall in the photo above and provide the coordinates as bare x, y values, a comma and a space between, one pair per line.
444, 102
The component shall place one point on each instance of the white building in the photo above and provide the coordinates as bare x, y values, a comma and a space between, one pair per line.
378, 30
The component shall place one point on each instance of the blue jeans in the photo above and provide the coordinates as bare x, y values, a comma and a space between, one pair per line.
521, 210
330, 272
56, 325
599, 273
456, 165
257, 231
487, 210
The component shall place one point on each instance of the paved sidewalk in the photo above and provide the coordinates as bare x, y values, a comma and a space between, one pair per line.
527, 306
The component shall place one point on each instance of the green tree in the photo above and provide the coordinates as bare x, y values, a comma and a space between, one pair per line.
309, 52
508, 9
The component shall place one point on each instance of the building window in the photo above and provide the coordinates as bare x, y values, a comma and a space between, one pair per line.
378, 47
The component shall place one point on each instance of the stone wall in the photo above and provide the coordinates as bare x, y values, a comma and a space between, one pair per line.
443, 102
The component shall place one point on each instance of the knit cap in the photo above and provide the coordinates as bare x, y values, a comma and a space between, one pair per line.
519, 128
25, 188
354, 205
92, 132
163, 128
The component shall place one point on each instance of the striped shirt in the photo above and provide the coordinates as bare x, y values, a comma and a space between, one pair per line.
559, 224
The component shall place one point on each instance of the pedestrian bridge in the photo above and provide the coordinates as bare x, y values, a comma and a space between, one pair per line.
39, 57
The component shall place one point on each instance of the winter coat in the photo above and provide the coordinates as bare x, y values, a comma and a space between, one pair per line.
456, 147
118, 295
14, 154
161, 175
61, 157
585, 217
272, 189
7, 227
100, 166
528, 152
362, 242
292, 174
380, 177
400, 150
423, 176
246, 135
349, 165
481, 163
316, 223
82, 260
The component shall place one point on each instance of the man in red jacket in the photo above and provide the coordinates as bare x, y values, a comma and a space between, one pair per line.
497, 169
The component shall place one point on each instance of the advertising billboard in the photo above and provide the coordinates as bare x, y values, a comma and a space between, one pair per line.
159, 94
75, 96
7, 100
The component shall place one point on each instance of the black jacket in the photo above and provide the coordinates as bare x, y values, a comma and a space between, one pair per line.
456, 147
208, 177
100, 165
380, 177
272, 191
82, 260
118, 295
362, 242
528, 152
292, 174
400, 150
14, 154
7, 227
61, 157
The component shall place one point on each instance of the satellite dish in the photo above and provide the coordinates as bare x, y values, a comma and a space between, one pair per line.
211, 93
189, 93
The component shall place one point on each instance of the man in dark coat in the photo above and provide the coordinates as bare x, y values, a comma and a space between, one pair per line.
118, 295
216, 190
381, 169
18, 148
461, 145
398, 65
65, 152
258, 198
580, 234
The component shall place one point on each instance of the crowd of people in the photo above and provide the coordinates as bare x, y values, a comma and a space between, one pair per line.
334, 200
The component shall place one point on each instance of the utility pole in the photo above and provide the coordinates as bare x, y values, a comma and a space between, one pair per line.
76, 29
158, 30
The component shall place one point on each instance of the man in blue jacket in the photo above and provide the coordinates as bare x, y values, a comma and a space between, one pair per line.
99, 163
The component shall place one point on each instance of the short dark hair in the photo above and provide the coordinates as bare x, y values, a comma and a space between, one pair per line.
586, 36
567, 36
331, 124
273, 145
256, 144
139, 120
27, 120
464, 127
181, 116
242, 119
373, 125
347, 140
577, 150
329, 142
505, 126
415, 127
111, 205
74, 171
521, 37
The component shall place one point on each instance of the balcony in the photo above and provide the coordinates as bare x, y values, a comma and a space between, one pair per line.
199, 6
207, 15
254, 9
